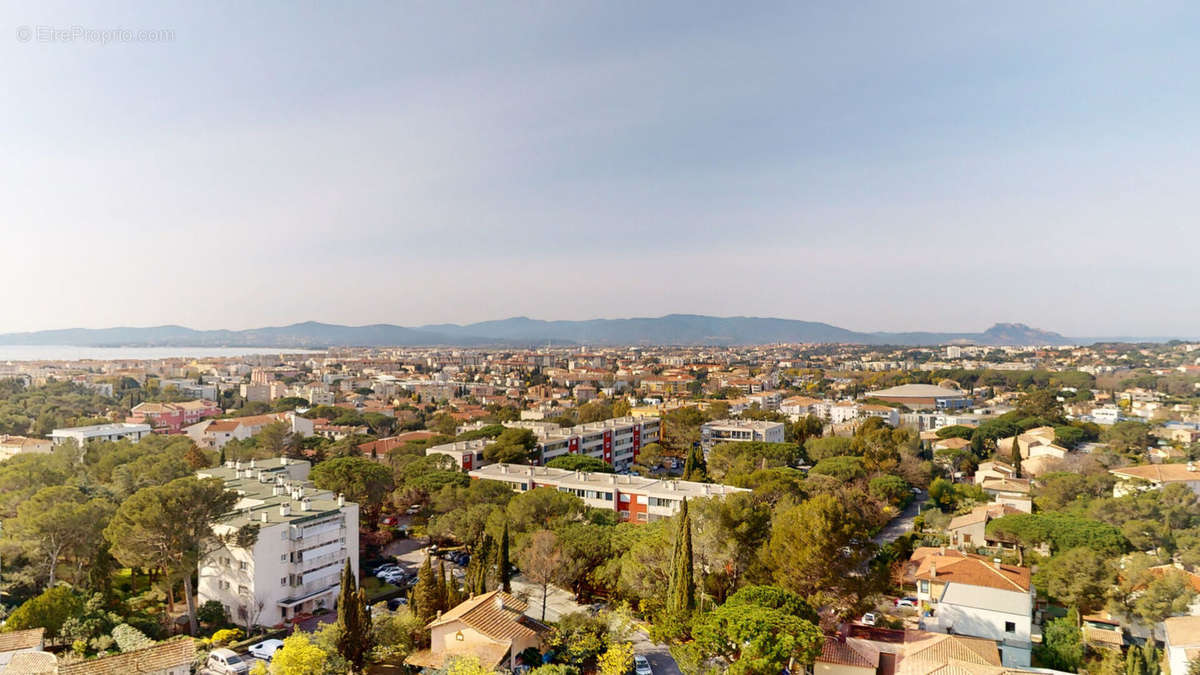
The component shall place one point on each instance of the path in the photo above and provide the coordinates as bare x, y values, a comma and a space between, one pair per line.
901, 524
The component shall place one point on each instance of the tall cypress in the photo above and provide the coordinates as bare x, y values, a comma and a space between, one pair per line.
443, 590
477, 569
1016, 457
425, 593
502, 562
354, 621
681, 591
694, 466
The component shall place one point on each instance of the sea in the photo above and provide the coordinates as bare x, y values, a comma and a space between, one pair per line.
70, 353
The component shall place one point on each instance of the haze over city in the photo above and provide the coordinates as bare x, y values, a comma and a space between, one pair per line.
888, 166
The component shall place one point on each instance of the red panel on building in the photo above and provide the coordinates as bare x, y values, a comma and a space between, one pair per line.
573, 445
608, 445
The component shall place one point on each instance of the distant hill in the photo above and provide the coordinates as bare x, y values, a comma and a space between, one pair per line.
673, 329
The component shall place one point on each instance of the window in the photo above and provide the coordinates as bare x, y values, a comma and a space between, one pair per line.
1010, 627
283, 558
283, 581
924, 586
242, 565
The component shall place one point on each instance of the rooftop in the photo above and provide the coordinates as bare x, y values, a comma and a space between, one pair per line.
917, 391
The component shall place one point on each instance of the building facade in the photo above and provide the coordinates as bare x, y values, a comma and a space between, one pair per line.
294, 566
723, 431
101, 432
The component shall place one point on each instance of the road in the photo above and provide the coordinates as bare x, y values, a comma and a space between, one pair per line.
661, 661
901, 524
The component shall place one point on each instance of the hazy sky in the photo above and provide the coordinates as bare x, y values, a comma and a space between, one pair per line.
879, 166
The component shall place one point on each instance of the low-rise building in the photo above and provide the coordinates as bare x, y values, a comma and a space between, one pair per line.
101, 432
924, 396
635, 499
305, 536
723, 431
171, 657
11, 446
492, 627
171, 418
971, 595
1131, 479
216, 433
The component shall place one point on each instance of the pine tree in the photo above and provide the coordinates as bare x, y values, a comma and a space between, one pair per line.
681, 591
354, 621
502, 563
425, 593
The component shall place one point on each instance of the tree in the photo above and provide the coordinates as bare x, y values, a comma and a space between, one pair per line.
1078, 578
170, 526
844, 468
60, 522
893, 490
361, 480
1167, 595
425, 601
50, 610
354, 621
1128, 438
541, 561
580, 463
1016, 457
512, 446
818, 546
467, 665
694, 467
299, 656
504, 567
1062, 643
681, 591
616, 660
754, 640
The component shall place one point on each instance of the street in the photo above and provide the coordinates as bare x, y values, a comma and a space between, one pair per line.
901, 524
658, 655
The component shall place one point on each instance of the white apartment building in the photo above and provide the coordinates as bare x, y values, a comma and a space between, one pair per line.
192, 388
634, 498
722, 431
101, 432
304, 538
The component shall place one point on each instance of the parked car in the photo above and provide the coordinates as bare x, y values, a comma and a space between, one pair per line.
869, 619
226, 662
641, 666
906, 602
396, 603
266, 649
413, 510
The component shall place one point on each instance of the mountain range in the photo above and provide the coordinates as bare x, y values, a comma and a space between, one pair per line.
673, 329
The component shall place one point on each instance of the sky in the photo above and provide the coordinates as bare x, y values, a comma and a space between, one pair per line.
874, 165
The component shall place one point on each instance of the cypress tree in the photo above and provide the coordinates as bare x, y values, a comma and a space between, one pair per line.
502, 562
443, 589
477, 569
1151, 657
1135, 664
354, 621
453, 597
681, 591
425, 593
694, 466
1016, 458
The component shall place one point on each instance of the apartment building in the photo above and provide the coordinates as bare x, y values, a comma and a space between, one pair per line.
635, 499
171, 418
100, 432
616, 441
723, 431
191, 388
305, 536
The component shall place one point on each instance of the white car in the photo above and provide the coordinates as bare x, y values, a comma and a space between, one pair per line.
869, 619
225, 662
641, 666
266, 649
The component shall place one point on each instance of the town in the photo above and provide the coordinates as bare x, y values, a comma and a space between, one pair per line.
829, 508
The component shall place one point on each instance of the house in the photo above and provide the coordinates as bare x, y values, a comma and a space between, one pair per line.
952, 443
866, 650
796, 407
1131, 479
918, 396
969, 531
171, 657
1182, 641
970, 595
1035, 443
994, 470
18, 642
11, 446
294, 565
100, 432
1012, 491
492, 627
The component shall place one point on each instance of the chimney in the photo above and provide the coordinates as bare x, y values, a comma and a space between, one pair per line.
305, 504
996, 562
263, 517
238, 465
251, 463
933, 569
285, 509
275, 490
341, 500
283, 461
499, 601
